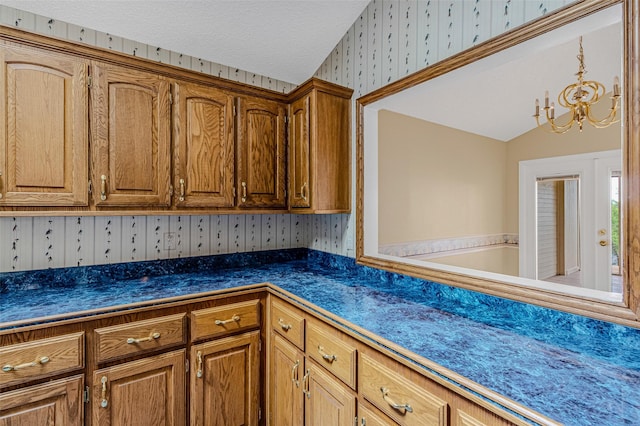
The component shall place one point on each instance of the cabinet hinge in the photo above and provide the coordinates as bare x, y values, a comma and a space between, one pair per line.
286, 119
90, 187
85, 394
234, 192
89, 81
259, 413
234, 110
170, 99
170, 191
260, 345
186, 366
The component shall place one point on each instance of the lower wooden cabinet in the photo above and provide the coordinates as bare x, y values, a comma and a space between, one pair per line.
302, 393
286, 404
58, 402
322, 375
145, 392
225, 381
327, 400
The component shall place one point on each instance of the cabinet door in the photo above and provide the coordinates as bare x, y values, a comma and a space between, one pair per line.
369, 417
131, 138
286, 404
225, 381
299, 153
261, 153
204, 146
54, 403
146, 392
327, 402
43, 143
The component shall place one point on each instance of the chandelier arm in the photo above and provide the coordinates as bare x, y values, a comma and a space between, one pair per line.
604, 122
559, 128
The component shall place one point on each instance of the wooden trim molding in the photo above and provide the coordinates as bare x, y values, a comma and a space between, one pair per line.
627, 312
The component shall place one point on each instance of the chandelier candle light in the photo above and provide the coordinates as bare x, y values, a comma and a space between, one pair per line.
578, 99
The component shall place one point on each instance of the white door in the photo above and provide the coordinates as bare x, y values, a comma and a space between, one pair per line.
593, 170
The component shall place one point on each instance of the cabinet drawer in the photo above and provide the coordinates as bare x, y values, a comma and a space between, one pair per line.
40, 358
123, 340
289, 322
222, 320
398, 397
329, 348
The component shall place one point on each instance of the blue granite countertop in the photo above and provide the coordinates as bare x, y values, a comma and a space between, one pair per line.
573, 369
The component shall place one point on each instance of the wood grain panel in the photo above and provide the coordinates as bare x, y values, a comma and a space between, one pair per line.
41, 358
319, 148
299, 153
203, 146
225, 381
223, 320
289, 322
40, 141
147, 392
54, 403
286, 404
261, 153
44, 150
131, 137
332, 173
132, 147
328, 401
113, 342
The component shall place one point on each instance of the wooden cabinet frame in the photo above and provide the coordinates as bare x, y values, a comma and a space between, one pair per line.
160, 167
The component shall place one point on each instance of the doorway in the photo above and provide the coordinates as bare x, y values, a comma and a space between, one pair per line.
568, 231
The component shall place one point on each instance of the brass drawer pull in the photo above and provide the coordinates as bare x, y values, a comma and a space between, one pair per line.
181, 197
326, 356
235, 318
244, 191
402, 408
303, 192
305, 384
152, 336
285, 327
103, 187
199, 371
104, 401
0, 184
40, 361
294, 373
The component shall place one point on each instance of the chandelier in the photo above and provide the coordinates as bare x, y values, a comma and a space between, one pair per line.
578, 98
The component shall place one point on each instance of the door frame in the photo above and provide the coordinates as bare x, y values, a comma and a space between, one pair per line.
585, 167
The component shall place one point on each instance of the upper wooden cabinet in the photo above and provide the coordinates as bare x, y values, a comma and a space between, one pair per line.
203, 138
147, 137
130, 137
260, 177
319, 148
43, 143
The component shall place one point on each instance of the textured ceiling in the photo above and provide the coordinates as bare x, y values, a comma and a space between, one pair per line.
284, 39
